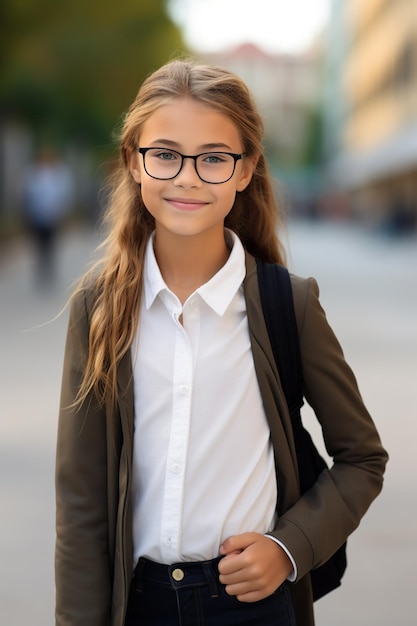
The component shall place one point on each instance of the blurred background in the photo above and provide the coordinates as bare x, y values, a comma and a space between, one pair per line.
336, 83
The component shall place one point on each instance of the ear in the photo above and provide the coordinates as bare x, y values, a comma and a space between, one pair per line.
134, 166
246, 172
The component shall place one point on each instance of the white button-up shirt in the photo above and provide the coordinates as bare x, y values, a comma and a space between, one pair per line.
203, 466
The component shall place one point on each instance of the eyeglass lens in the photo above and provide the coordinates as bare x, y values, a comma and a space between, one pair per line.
211, 167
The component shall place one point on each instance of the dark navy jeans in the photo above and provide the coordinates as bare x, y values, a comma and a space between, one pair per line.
190, 594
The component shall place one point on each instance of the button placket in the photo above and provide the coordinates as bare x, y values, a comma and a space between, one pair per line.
178, 446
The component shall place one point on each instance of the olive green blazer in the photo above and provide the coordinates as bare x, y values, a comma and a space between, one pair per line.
94, 464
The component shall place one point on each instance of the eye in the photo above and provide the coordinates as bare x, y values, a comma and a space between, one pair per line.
214, 158
165, 155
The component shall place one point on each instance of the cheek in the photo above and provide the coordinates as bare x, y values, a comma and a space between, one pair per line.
149, 192
228, 199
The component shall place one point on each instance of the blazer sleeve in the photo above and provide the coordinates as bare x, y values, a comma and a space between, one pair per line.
321, 520
82, 571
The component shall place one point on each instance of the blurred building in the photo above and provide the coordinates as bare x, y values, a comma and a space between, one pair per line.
287, 92
370, 109
285, 87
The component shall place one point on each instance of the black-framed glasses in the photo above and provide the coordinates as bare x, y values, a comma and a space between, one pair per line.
211, 167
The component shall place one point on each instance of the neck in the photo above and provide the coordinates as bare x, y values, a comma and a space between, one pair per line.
186, 263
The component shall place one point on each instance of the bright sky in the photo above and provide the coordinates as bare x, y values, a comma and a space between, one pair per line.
274, 25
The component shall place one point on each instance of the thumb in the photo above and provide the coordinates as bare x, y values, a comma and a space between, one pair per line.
236, 543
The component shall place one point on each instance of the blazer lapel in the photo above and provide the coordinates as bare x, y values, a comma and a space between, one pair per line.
125, 397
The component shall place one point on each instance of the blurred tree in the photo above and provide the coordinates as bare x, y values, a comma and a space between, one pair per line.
70, 68
311, 152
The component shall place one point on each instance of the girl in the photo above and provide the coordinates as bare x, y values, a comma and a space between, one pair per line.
177, 492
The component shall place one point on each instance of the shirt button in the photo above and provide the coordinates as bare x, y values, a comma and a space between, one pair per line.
184, 390
175, 468
168, 542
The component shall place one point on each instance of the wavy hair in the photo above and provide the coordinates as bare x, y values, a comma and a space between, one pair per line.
117, 277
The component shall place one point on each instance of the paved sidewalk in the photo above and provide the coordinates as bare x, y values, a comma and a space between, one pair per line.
369, 290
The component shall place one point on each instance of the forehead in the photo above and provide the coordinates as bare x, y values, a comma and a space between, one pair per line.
187, 122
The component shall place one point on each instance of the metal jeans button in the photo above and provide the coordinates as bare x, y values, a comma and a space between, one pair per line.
177, 575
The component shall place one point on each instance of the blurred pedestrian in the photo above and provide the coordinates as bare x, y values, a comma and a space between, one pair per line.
47, 193
178, 499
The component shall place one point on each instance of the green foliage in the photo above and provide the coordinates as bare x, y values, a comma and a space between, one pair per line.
313, 142
71, 68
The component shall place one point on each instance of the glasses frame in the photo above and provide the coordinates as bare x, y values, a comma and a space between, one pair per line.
194, 157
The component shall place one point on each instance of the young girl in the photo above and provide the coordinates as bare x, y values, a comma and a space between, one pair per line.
178, 498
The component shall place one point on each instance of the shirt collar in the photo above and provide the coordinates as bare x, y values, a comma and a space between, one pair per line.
218, 292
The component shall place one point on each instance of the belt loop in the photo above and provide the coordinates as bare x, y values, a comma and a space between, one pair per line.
140, 567
211, 578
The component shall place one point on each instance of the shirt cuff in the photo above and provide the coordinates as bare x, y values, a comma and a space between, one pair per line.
293, 576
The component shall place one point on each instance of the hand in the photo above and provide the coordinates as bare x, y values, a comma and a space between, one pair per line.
253, 567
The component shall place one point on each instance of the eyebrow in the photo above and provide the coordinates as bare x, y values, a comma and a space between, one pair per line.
174, 145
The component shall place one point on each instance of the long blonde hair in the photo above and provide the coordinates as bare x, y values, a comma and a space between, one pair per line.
118, 276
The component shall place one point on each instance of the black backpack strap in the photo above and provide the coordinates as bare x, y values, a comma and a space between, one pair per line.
278, 308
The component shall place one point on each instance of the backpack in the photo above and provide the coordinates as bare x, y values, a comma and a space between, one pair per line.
278, 308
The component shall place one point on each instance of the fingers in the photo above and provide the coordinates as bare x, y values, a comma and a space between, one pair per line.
237, 543
253, 567
242, 573
245, 592
247, 585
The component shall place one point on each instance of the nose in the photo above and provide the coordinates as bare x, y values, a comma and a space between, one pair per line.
187, 176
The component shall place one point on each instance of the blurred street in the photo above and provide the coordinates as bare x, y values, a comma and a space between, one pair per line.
369, 290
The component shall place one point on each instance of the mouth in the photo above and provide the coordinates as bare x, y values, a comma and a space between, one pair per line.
186, 204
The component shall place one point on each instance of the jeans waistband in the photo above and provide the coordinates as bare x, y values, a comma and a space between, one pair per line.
179, 575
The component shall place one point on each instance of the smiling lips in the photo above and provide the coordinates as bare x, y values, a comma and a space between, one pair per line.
186, 204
